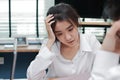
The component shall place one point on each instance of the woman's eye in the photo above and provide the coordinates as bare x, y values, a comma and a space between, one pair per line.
59, 34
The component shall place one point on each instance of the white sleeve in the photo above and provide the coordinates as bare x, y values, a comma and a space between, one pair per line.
104, 61
94, 43
36, 70
113, 73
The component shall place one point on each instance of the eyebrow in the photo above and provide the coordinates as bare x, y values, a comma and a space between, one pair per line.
69, 26
66, 28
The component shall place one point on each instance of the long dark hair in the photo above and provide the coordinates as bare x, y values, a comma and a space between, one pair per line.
63, 12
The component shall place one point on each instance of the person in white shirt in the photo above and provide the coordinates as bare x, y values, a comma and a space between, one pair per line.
111, 43
67, 54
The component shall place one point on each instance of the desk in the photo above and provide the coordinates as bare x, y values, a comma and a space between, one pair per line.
29, 48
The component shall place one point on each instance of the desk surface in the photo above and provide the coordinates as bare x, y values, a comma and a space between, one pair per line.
29, 48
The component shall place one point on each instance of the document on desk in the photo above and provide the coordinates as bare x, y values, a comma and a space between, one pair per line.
81, 76
8, 46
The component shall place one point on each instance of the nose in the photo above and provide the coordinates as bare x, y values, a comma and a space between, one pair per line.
68, 37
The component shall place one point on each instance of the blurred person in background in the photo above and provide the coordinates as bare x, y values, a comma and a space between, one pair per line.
113, 8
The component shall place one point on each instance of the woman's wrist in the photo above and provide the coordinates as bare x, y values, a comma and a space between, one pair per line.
108, 43
49, 44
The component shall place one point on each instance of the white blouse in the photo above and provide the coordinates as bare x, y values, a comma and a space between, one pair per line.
113, 73
84, 66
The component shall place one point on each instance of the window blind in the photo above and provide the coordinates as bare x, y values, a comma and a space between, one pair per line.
23, 17
42, 15
4, 21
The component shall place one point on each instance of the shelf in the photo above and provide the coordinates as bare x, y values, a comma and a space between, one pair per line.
95, 23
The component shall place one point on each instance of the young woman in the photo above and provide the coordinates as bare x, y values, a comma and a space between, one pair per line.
67, 54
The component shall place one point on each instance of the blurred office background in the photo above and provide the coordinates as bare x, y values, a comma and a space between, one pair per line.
26, 17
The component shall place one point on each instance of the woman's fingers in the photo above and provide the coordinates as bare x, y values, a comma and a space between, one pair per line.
49, 18
51, 22
112, 37
118, 34
48, 21
116, 30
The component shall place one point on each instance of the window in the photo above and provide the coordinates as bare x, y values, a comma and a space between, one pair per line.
23, 17
23, 20
4, 19
42, 15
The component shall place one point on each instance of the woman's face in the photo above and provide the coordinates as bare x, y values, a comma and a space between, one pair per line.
67, 33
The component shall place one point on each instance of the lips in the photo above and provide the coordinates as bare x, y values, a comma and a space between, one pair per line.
71, 41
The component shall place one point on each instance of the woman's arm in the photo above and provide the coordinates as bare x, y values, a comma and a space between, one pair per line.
112, 38
36, 70
108, 56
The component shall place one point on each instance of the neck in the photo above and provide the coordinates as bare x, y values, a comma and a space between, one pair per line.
69, 52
